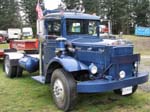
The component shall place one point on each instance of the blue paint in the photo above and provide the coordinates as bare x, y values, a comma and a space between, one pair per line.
69, 64
28, 63
71, 15
103, 85
61, 45
142, 31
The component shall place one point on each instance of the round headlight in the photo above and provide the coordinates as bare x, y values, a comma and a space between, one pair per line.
93, 68
122, 74
136, 64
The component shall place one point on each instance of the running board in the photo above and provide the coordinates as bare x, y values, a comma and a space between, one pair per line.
40, 79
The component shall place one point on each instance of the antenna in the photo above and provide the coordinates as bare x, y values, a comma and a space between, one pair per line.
79, 7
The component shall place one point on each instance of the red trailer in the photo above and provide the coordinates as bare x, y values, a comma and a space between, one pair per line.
24, 45
1, 53
2, 38
29, 46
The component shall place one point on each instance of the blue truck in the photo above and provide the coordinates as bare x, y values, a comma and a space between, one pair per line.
75, 59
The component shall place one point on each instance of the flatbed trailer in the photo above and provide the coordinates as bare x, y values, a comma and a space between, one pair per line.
24, 45
29, 46
1, 53
2, 39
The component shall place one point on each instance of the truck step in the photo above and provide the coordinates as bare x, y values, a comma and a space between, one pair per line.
40, 79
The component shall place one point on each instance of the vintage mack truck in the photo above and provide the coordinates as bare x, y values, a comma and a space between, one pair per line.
75, 59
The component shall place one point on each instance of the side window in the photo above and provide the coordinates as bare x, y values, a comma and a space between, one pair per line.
49, 28
54, 27
76, 28
92, 27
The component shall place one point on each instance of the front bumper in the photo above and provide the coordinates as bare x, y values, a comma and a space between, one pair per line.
103, 85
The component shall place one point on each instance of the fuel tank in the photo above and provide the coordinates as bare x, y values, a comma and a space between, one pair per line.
29, 63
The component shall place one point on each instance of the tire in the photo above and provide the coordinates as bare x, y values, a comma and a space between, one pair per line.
19, 71
119, 91
31, 51
7, 41
63, 90
10, 50
10, 71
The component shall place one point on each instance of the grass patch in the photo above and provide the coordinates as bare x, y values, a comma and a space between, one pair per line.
26, 95
4, 46
146, 62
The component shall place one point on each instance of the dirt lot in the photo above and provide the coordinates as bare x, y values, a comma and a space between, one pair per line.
145, 67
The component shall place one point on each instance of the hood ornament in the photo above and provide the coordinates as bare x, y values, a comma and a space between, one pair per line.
101, 50
89, 49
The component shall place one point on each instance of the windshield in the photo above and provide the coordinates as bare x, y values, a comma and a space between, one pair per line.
79, 26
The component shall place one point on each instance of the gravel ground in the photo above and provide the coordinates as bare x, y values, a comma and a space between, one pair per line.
145, 67
145, 64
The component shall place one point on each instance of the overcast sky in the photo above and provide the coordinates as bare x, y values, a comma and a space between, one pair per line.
51, 4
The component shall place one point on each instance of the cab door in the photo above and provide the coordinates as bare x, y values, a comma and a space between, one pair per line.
53, 31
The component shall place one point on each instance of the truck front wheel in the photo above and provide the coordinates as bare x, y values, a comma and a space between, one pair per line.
119, 91
10, 71
63, 89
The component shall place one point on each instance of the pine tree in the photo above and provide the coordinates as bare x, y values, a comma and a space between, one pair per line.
30, 15
9, 17
71, 4
141, 10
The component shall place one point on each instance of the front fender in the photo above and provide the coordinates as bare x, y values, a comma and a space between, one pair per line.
69, 64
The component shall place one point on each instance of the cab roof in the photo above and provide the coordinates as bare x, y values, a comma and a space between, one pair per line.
70, 15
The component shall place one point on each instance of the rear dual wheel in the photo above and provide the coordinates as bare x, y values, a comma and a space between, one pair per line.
11, 71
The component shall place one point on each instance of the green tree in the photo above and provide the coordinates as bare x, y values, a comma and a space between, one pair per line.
141, 11
118, 12
71, 3
91, 6
124, 14
30, 15
9, 14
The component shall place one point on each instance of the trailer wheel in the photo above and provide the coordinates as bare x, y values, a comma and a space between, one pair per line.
7, 41
63, 89
19, 71
10, 71
119, 91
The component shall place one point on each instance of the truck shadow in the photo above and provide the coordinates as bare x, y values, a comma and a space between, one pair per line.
99, 98
103, 101
1, 61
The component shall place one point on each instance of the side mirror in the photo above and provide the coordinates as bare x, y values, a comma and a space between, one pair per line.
60, 50
40, 29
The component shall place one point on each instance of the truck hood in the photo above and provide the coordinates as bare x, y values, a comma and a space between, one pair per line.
97, 51
92, 41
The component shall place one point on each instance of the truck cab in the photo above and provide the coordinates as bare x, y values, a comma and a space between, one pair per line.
75, 59
14, 34
27, 32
